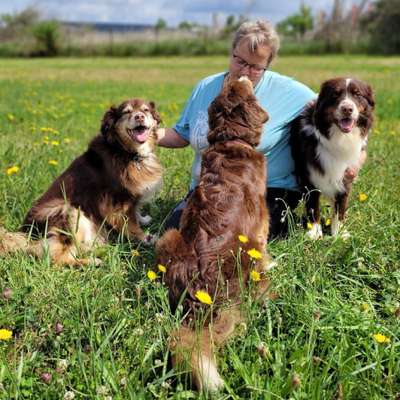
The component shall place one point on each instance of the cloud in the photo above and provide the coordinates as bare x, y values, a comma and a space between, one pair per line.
172, 11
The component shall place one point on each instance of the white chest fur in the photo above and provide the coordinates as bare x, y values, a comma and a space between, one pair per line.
335, 154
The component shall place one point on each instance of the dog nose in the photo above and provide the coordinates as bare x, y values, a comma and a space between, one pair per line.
139, 117
347, 109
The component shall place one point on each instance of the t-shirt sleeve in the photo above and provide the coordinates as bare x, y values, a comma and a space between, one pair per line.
183, 124
299, 95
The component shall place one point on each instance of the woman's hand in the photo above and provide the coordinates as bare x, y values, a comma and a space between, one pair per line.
168, 137
351, 173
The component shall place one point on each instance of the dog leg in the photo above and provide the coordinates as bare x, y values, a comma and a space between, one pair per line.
339, 213
313, 214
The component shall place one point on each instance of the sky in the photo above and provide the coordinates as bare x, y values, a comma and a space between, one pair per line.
172, 11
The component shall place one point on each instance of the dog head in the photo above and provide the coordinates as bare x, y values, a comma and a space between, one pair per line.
131, 125
344, 103
236, 114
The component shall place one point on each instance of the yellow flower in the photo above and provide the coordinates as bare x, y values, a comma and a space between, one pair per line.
5, 334
309, 225
362, 197
255, 276
243, 238
253, 253
55, 142
162, 268
53, 162
12, 170
203, 297
152, 275
67, 140
328, 222
135, 253
365, 306
381, 338
10, 117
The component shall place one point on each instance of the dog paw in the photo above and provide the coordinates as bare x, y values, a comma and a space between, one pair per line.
315, 232
269, 265
96, 261
344, 234
145, 219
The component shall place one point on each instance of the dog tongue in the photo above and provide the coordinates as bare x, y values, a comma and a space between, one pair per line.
346, 124
141, 137
141, 134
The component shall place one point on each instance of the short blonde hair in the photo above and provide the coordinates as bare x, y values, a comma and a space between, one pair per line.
258, 33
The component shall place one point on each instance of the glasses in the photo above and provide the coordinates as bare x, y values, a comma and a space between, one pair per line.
243, 64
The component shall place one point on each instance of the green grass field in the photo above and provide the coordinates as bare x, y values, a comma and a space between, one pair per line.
334, 295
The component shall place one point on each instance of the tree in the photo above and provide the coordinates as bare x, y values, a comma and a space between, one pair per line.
47, 35
19, 23
383, 25
297, 25
160, 25
232, 24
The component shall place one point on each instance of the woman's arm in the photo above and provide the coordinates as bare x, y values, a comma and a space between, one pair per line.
169, 137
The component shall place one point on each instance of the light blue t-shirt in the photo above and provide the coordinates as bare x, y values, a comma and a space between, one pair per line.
282, 97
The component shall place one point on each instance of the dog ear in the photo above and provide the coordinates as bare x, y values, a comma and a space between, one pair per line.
154, 112
108, 121
369, 96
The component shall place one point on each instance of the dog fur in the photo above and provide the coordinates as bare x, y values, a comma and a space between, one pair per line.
102, 190
205, 252
326, 139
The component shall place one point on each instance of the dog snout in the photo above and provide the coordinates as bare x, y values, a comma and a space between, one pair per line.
139, 117
347, 109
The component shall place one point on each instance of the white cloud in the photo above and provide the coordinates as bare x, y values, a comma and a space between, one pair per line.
173, 11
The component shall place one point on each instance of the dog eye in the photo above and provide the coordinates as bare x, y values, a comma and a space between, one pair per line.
145, 110
126, 112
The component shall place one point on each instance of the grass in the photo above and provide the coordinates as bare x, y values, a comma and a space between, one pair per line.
334, 295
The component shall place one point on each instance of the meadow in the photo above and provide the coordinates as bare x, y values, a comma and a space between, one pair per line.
333, 332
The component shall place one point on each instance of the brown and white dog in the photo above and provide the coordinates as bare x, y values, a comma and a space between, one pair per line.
101, 190
328, 138
205, 253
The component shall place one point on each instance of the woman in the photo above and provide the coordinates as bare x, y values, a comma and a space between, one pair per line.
254, 47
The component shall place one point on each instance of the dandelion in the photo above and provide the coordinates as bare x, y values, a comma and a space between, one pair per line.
5, 334
243, 238
55, 143
203, 297
255, 276
162, 268
53, 162
135, 253
309, 225
379, 338
328, 222
67, 140
12, 170
152, 275
365, 306
255, 254
10, 117
362, 197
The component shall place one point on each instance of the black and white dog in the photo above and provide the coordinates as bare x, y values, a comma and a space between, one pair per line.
326, 139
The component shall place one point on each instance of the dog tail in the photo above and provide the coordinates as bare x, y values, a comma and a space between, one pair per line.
12, 242
195, 349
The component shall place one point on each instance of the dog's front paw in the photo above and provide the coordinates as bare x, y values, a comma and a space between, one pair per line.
315, 232
145, 219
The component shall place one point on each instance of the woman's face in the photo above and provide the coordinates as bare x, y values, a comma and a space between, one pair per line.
249, 63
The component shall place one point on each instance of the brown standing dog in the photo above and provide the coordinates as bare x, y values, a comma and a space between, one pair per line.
102, 189
205, 254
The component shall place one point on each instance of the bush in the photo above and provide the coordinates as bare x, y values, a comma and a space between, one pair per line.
47, 35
